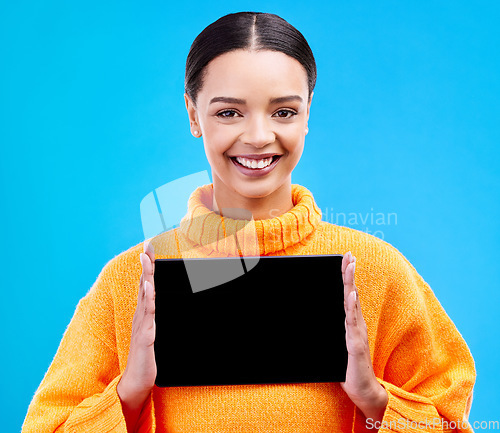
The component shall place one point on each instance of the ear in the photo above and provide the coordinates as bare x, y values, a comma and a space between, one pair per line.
193, 116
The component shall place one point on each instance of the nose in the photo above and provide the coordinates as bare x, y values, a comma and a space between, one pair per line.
258, 132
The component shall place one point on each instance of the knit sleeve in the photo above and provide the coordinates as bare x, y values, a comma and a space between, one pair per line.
419, 357
78, 393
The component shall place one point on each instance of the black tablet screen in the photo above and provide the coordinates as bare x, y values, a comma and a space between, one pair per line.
278, 320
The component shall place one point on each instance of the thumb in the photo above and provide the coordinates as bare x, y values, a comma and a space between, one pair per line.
348, 269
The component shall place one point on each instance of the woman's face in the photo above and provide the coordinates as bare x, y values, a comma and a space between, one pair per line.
252, 111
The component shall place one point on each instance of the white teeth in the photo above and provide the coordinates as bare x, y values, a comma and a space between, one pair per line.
252, 163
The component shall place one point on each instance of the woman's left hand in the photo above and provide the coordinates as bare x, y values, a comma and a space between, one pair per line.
360, 384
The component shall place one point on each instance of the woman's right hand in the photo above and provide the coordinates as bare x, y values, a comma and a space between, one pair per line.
140, 373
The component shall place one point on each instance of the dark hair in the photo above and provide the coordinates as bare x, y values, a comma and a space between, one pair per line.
246, 30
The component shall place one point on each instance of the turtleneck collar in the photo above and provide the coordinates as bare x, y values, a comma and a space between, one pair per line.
226, 236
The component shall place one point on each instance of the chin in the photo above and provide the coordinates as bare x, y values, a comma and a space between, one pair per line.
256, 189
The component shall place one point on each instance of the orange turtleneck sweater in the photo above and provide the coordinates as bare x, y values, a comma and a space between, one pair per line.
418, 354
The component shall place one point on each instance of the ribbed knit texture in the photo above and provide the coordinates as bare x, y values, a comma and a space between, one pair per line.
418, 354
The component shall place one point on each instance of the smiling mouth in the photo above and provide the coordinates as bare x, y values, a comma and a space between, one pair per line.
255, 164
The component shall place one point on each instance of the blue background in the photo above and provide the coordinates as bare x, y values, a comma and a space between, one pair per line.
405, 120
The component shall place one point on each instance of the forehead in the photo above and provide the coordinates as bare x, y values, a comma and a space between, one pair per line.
243, 73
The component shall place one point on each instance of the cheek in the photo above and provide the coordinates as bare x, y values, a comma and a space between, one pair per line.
293, 139
215, 149
292, 132
217, 146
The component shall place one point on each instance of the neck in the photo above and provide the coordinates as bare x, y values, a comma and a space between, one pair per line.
230, 204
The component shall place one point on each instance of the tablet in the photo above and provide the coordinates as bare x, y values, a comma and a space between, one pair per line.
279, 319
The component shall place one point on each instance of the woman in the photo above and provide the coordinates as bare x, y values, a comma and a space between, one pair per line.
249, 87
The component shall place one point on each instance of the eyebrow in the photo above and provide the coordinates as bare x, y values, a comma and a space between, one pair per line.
279, 100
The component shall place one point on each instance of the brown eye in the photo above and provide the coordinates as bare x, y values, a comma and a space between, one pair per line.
285, 114
227, 114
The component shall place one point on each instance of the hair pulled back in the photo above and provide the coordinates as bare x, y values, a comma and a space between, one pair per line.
246, 30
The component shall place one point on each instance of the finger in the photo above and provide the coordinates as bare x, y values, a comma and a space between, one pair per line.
149, 307
360, 319
146, 274
150, 251
150, 256
349, 280
351, 316
140, 300
356, 337
147, 268
353, 272
346, 259
142, 280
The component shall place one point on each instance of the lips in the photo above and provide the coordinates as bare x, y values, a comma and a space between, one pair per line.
254, 163
256, 155
255, 172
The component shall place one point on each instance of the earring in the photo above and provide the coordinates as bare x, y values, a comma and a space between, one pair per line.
195, 133
307, 130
